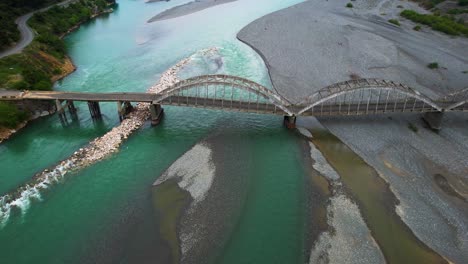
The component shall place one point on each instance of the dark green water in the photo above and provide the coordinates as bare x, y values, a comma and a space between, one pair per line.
104, 213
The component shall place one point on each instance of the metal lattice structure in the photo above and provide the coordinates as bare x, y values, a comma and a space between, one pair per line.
461, 99
366, 96
231, 93
224, 92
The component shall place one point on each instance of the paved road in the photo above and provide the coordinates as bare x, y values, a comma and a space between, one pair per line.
27, 35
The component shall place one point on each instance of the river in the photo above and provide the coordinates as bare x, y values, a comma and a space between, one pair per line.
104, 213
266, 203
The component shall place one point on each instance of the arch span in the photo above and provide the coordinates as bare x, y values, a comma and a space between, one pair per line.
368, 91
205, 81
460, 97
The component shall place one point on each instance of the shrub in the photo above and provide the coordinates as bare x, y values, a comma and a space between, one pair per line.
417, 28
349, 5
394, 21
43, 85
19, 85
463, 2
413, 128
433, 65
440, 23
10, 116
399, 6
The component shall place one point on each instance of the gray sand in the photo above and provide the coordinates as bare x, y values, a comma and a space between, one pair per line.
317, 43
187, 9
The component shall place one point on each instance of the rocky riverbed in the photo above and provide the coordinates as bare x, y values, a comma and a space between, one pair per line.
318, 43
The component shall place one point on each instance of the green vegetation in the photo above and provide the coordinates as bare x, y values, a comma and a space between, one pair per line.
417, 27
43, 59
9, 11
457, 11
433, 65
463, 2
349, 5
394, 21
413, 128
440, 23
429, 3
10, 116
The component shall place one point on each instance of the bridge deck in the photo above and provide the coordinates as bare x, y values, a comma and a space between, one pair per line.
77, 96
228, 104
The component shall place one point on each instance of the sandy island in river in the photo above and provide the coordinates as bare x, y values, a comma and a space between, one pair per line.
186, 9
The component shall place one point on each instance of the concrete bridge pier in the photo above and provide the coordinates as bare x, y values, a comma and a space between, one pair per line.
290, 121
123, 109
94, 109
61, 111
72, 109
434, 119
157, 113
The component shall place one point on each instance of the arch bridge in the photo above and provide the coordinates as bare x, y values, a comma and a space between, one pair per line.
231, 93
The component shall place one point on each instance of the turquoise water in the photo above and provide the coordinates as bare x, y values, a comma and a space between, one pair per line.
104, 213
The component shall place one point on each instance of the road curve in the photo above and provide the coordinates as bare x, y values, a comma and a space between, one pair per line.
27, 34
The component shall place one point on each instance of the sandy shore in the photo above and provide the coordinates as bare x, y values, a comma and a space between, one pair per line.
186, 9
317, 43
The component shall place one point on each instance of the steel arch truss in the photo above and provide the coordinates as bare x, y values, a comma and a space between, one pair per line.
365, 96
461, 99
224, 92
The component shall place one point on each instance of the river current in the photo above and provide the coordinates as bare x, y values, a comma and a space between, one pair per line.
105, 213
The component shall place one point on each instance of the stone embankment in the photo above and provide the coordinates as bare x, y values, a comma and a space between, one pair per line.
96, 150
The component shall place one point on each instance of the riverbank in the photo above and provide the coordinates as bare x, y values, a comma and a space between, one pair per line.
345, 43
46, 59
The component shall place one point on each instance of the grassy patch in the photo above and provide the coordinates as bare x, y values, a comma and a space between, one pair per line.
433, 65
394, 21
457, 11
417, 28
440, 23
10, 116
349, 5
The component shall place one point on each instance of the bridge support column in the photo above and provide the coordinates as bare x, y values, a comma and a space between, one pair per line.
61, 112
434, 119
123, 109
290, 122
157, 113
94, 109
72, 109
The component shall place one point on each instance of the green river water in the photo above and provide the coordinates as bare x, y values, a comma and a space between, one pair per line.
106, 213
